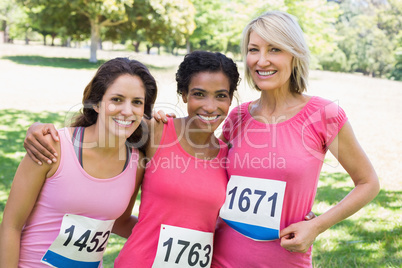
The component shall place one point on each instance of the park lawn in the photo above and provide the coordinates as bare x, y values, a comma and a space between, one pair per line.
370, 238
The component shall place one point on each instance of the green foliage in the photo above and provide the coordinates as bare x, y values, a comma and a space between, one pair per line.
396, 73
317, 19
335, 61
366, 32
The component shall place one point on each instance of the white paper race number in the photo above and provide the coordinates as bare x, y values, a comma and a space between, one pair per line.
181, 247
80, 243
253, 207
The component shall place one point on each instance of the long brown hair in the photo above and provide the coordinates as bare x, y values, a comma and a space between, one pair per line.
104, 77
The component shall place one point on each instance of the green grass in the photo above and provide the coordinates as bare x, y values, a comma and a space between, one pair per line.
370, 238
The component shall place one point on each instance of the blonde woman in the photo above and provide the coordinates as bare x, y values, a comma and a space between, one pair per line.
278, 144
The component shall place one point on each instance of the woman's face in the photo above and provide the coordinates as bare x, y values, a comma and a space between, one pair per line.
208, 100
269, 66
122, 106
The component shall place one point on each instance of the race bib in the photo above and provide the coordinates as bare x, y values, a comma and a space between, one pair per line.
253, 207
183, 248
80, 243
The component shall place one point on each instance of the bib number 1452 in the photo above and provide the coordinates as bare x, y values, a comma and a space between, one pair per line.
80, 243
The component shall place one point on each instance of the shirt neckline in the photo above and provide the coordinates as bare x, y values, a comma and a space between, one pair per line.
296, 116
188, 154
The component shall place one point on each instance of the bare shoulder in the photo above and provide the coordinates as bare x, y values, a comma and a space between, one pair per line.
57, 147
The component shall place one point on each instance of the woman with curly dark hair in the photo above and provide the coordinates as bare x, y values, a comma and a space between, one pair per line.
185, 180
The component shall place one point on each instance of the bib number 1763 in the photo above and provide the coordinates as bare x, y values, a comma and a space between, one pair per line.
182, 247
191, 252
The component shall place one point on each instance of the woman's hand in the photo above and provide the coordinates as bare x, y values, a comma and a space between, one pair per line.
299, 237
38, 147
161, 116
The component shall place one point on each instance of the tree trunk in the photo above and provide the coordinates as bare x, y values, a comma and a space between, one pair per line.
137, 46
159, 48
149, 49
95, 38
53, 37
26, 38
5, 27
68, 41
44, 39
188, 45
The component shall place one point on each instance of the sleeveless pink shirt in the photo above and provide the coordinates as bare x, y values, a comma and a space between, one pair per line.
71, 190
180, 190
291, 151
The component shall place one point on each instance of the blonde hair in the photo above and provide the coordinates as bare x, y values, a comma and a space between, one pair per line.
280, 29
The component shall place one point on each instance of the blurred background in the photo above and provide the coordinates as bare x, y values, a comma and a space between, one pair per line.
344, 35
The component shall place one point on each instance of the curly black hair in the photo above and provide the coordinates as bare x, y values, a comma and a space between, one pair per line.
203, 61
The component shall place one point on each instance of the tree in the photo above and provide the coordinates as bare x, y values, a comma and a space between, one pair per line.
100, 14
11, 14
172, 23
368, 30
49, 19
211, 20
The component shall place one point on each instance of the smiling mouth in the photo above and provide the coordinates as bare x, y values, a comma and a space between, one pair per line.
266, 73
208, 118
123, 122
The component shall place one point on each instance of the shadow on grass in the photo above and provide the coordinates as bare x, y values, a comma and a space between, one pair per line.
68, 63
368, 239
334, 190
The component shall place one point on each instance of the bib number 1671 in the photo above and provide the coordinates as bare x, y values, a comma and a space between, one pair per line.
244, 201
254, 201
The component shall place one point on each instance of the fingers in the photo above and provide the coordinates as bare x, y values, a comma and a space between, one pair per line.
172, 115
287, 232
311, 215
161, 116
158, 115
32, 156
38, 147
297, 237
53, 132
38, 152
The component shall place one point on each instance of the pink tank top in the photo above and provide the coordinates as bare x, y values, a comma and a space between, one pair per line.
290, 152
178, 190
71, 190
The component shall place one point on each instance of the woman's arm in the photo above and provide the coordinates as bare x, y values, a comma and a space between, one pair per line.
353, 159
155, 136
25, 190
126, 222
38, 148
